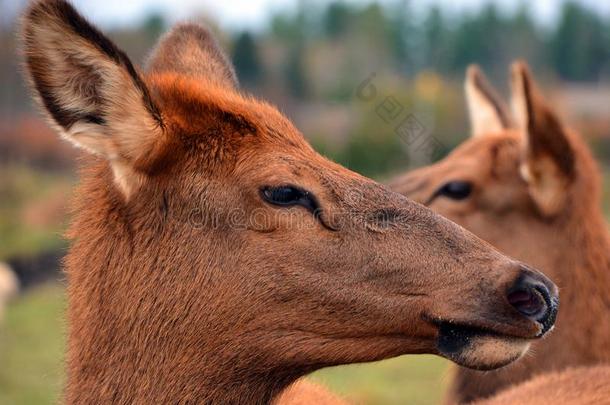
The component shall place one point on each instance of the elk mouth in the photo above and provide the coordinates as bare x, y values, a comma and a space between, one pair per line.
478, 347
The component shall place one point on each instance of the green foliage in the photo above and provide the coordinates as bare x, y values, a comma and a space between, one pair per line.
580, 47
376, 146
24, 190
154, 25
399, 33
246, 59
336, 19
373, 150
435, 38
295, 73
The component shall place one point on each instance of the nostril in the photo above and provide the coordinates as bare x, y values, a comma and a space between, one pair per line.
535, 297
529, 301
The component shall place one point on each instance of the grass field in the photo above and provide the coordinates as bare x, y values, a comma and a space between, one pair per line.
32, 345
31, 348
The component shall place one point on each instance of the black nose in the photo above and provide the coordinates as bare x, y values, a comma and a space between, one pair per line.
535, 297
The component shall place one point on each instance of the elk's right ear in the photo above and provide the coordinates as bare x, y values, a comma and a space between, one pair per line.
92, 93
548, 163
191, 50
488, 114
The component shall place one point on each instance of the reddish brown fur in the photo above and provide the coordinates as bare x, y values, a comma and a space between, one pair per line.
566, 236
186, 286
305, 392
574, 386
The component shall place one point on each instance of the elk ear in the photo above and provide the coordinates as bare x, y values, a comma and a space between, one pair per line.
190, 49
89, 89
548, 158
488, 114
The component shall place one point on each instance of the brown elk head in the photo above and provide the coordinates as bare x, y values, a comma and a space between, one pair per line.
521, 180
528, 185
216, 255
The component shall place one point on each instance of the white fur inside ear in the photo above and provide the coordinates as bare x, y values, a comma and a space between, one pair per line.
92, 138
126, 178
484, 118
526, 173
547, 186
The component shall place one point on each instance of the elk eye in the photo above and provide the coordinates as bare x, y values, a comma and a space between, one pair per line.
288, 196
456, 190
284, 195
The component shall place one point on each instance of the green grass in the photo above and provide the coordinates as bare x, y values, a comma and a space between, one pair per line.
413, 380
32, 346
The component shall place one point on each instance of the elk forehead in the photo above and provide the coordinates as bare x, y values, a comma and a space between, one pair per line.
202, 109
498, 154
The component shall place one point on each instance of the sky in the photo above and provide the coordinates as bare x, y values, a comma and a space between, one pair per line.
253, 14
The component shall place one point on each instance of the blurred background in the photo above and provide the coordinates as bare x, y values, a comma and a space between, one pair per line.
376, 86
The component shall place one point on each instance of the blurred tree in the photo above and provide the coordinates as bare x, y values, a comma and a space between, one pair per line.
282, 27
295, 73
372, 21
246, 59
525, 41
479, 39
578, 47
336, 19
292, 30
289, 28
402, 34
154, 25
435, 38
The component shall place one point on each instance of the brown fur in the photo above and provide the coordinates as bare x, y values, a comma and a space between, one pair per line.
305, 392
186, 286
191, 50
536, 195
574, 386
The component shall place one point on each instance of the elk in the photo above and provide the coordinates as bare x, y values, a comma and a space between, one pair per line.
216, 257
529, 186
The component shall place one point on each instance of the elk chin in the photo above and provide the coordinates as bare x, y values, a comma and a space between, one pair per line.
479, 350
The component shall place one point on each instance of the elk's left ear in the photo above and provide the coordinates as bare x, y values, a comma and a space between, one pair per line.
90, 90
548, 158
191, 50
488, 113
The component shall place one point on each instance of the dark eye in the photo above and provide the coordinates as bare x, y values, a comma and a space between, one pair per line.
289, 196
456, 190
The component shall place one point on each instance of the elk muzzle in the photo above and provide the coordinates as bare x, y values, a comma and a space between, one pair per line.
530, 303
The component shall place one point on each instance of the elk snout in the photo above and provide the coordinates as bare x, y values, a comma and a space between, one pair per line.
535, 297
